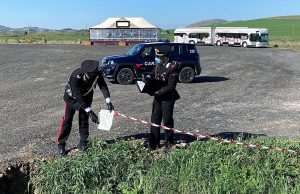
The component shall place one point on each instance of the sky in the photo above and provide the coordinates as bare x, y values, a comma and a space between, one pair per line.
166, 14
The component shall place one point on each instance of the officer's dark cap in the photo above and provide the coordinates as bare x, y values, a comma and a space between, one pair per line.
90, 66
162, 51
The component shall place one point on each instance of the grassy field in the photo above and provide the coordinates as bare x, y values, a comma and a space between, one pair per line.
46, 38
280, 28
286, 28
202, 167
283, 31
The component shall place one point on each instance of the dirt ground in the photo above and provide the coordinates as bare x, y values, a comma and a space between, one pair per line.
250, 90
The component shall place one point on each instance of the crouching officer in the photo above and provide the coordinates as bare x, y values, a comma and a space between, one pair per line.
164, 78
78, 97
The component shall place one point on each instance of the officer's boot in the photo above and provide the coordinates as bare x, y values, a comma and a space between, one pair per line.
167, 147
62, 150
169, 140
153, 145
82, 147
154, 140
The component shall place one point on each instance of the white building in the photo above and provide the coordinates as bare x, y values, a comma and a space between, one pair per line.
130, 30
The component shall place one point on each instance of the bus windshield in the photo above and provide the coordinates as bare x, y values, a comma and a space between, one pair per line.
263, 38
135, 50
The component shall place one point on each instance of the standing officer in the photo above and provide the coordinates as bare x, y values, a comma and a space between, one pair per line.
78, 97
164, 78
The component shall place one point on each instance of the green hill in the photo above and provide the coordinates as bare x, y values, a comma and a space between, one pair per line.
208, 23
287, 17
280, 28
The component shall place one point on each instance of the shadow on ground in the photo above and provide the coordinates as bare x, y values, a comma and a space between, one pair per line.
203, 79
236, 135
188, 138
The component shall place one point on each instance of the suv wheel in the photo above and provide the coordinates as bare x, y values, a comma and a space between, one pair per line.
125, 76
186, 75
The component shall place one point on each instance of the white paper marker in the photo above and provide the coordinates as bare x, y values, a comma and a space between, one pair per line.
106, 119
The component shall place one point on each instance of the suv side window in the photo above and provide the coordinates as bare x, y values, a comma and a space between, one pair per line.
174, 50
148, 51
158, 47
183, 49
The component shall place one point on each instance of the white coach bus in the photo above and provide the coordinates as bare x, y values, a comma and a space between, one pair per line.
231, 36
193, 35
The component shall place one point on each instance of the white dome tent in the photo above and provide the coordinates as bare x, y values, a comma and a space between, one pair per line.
127, 30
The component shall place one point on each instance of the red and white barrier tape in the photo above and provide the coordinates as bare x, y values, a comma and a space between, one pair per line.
286, 150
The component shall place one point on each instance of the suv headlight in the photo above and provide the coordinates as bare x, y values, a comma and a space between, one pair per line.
110, 62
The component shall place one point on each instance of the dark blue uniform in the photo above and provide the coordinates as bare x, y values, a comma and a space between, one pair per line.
165, 78
78, 97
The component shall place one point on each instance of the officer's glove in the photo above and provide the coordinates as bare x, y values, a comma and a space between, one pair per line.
110, 106
146, 78
93, 116
156, 93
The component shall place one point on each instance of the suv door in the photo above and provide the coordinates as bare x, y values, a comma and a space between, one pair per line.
146, 59
174, 53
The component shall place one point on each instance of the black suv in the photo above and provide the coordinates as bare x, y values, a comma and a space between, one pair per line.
140, 60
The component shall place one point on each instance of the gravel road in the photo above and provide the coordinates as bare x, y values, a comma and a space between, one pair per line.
240, 90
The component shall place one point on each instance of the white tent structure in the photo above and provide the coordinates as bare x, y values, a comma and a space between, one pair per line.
129, 30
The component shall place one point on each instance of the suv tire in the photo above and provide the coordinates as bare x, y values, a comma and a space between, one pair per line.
187, 75
125, 76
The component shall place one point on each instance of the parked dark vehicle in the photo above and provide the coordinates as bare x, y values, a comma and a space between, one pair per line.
140, 60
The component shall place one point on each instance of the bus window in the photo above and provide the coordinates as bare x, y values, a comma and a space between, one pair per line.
244, 36
194, 35
253, 37
200, 36
179, 34
263, 38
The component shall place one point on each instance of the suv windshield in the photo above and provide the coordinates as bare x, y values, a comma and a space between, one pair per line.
135, 49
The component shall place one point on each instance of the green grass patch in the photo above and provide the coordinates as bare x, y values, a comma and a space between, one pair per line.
209, 167
203, 167
46, 38
167, 34
285, 44
104, 169
67, 36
